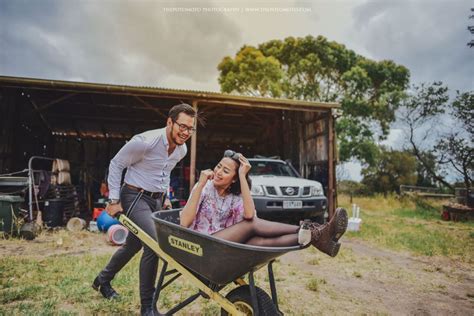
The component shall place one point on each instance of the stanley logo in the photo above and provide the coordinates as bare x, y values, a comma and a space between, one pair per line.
130, 226
185, 245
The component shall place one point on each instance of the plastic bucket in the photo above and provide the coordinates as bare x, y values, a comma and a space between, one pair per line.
354, 224
76, 224
117, 234
104, 221
53, 212
30, 230
96, 212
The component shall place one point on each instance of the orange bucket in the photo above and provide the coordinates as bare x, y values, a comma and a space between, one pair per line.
96, 212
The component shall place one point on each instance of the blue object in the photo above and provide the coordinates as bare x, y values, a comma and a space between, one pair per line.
104, 221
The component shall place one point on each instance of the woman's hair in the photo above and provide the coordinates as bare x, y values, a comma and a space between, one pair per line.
234, 187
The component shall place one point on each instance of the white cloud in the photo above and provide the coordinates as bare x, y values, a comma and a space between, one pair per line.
138, 43
428, 37
394, 139
349, 171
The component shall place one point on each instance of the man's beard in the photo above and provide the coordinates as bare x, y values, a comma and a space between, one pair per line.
176, 139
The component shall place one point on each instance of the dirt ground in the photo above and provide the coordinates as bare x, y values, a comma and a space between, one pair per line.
362, 279
370, 280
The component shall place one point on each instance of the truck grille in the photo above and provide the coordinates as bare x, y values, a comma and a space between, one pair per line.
271, 190
289, 191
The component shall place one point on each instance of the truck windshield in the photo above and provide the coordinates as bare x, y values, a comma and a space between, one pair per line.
274, 168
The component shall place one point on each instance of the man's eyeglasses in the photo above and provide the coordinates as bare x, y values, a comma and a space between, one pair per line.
232, 154
183, 127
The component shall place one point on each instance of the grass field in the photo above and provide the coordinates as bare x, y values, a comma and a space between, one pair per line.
52, 276
413, 225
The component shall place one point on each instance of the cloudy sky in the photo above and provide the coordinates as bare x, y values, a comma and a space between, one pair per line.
178, 44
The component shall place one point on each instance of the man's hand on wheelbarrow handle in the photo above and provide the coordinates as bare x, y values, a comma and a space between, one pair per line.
167, 204
114, 209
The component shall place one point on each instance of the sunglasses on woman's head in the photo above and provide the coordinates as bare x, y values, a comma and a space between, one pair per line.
232, 154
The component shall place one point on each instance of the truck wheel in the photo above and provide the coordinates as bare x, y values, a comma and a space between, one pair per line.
241, 298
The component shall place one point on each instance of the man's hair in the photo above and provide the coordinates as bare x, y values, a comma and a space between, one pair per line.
181, 108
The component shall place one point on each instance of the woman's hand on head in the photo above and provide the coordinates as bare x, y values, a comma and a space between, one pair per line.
207, 174
245, 165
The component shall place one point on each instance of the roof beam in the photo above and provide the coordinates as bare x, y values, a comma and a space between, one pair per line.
96, 118
53, 102
150, 106
97, 136
33, 103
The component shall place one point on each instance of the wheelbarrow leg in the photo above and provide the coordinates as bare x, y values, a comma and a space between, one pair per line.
184, 303
159, 284
253, 294
271, 278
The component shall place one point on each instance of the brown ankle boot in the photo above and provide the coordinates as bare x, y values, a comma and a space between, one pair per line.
341, 219
325, 237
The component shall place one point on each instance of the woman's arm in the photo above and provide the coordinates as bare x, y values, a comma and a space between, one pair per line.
189, 211
249, 206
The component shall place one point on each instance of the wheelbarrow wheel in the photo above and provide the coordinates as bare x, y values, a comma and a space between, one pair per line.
242, 300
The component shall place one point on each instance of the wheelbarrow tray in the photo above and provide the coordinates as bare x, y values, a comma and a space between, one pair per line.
219, 261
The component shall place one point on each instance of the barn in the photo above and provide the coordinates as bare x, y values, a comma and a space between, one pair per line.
87, 123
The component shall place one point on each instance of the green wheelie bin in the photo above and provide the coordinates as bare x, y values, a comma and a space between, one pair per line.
9, 212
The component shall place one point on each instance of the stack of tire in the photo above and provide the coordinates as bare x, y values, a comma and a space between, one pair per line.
116, 233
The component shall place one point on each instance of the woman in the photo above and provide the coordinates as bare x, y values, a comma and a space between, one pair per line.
220, 204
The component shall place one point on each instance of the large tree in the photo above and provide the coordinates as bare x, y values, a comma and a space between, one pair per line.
315, 69
424, 176
392, 169
456, 148
440, 131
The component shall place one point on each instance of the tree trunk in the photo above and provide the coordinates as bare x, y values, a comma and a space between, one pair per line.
416, 151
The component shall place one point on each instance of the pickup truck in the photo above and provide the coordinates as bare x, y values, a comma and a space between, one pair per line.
281, 194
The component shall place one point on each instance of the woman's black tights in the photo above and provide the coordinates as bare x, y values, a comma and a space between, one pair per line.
260, 232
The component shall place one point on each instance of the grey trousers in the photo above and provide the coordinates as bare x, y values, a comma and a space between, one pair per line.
141, 216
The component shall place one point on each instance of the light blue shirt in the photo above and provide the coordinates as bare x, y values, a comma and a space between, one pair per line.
148, 165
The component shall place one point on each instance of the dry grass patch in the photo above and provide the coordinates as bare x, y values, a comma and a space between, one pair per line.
416, 226
52, 275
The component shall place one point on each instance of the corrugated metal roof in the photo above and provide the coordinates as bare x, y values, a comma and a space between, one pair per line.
200, 96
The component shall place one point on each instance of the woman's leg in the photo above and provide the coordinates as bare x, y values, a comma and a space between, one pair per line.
266, 233
243, 231
281, 241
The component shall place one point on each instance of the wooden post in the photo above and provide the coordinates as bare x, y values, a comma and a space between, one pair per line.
331, 166
302, 148
335, 158
192, 167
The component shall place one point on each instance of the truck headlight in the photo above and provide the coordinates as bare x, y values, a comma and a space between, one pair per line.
257, 190
317, 190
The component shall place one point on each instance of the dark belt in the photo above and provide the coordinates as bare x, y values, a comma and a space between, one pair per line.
153, 195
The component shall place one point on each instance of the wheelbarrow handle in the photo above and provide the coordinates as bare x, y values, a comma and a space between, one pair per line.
132, 206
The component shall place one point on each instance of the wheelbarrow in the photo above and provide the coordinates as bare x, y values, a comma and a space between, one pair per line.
211, 264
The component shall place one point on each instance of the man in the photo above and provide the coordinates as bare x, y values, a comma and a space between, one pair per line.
149, 158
